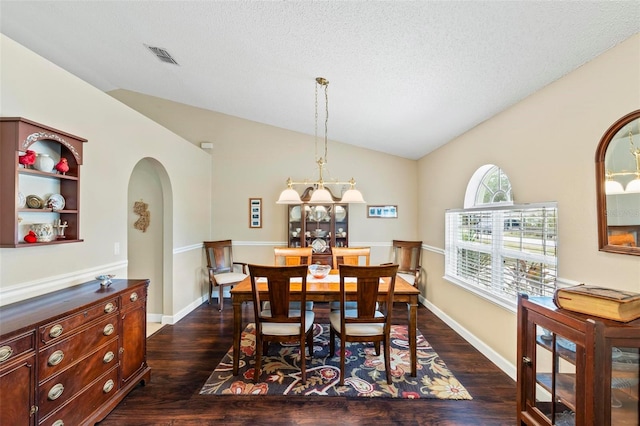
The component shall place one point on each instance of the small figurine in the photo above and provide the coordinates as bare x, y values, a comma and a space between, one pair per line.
31, 237
28, 159
105, 279
62, 166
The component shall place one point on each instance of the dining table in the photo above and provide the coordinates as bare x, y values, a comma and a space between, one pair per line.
327, 289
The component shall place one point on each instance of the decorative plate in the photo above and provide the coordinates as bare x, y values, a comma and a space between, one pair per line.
319, 245
295, 214
56, 202
341, 214
34, 202
318, 213
22, 201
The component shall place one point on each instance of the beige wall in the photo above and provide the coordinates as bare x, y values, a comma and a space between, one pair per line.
118, 138
254, 160
546, 144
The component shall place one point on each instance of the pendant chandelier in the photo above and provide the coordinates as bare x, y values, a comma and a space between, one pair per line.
613, 187
320, 194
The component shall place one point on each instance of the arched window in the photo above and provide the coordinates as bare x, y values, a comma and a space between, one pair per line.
488, 185
498, 249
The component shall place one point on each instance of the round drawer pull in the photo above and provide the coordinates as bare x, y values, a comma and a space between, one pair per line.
108, 329
5, 353
55, 392
133, 297
55, 358
56, 331
108, 357
109, 307
108, 386
58, 423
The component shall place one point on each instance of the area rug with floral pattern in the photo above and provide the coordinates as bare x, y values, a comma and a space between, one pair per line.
364, 375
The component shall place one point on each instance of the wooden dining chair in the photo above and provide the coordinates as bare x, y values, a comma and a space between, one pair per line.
291, 256
365, 323
279, 323
223, 271
406, 254
349, 256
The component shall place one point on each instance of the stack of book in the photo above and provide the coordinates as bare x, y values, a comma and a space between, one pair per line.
602, 302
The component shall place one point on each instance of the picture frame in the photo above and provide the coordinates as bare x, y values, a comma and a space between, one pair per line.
382, 211
255, 212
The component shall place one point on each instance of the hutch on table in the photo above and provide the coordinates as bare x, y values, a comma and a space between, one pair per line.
575, 369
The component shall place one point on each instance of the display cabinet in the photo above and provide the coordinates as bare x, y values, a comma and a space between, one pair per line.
37, 197
319, 226
575, 369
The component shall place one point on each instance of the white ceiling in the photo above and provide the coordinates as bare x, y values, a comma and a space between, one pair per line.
405, 76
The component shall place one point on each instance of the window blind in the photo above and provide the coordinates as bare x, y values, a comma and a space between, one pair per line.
504, 250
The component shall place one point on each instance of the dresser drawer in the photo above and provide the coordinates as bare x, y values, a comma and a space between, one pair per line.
77, 410
13, 347
63, 327
136, 295
57, 357
60, 388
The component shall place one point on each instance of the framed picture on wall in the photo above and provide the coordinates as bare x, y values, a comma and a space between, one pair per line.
384, 212
255, 212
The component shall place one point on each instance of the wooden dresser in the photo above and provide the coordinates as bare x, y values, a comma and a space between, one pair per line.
69, 357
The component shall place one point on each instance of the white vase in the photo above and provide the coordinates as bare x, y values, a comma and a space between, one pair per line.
43, 231
44, 163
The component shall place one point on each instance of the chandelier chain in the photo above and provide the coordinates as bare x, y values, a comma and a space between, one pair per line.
326, 118
322, 82
316, 125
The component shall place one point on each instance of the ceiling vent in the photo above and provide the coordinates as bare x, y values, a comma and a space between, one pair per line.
162, 54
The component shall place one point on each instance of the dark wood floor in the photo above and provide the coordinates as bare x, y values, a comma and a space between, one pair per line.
183, 356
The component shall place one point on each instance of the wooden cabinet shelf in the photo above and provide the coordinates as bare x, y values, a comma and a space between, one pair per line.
574, 368
35, 172
17, 135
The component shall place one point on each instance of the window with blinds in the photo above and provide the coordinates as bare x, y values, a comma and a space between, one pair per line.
502, 251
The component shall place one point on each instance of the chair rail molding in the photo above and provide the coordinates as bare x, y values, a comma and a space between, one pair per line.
46, 285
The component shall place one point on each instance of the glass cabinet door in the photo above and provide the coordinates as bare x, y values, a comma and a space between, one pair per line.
341, 225
295, 231
625, 362
554, 369
318, 225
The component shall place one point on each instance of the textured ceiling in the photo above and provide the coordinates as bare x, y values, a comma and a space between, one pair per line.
405, 77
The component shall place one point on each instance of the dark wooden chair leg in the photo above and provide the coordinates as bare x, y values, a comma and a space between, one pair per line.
221, 299
256, 369
387, 360
342, 355
332, 342
310, 342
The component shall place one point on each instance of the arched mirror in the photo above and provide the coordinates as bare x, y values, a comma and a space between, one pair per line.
618, 186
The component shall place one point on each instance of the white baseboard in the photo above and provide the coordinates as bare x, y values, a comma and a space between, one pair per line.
172, 319
492, 355
154, 317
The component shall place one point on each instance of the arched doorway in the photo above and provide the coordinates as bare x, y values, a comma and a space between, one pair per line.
149, 235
